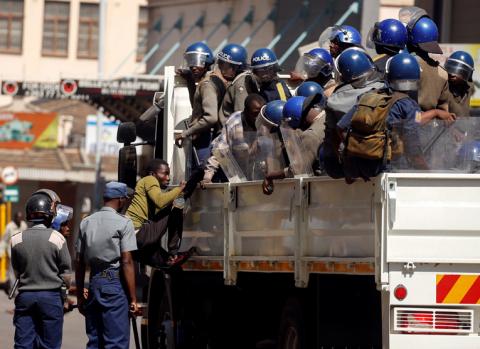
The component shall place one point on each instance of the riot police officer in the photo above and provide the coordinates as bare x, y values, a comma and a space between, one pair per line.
204, 121
422, 40
105, 243
387, 37
343, 37
316, 66
460, 67
41, 262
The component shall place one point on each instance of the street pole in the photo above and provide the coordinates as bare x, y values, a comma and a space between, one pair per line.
101, 62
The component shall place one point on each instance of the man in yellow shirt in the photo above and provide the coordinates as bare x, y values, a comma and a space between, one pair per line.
150, 210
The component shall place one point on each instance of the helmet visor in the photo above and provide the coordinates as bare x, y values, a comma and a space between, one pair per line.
458, 68
404, 85
371, 37
64, 214
410, 15
324, 39
311, 66
195, 59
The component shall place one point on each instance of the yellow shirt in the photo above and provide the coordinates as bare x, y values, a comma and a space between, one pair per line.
148, 200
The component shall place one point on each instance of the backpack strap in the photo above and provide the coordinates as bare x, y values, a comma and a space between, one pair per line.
221, 89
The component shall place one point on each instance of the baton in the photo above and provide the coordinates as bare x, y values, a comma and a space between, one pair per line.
14, 289
135, 332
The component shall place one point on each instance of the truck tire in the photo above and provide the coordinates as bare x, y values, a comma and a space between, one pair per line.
292, 333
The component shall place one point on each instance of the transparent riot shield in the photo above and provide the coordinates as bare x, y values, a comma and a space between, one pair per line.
269, 154
181, 166
295, 150
229, 165
437, 146
325, 36
244, 150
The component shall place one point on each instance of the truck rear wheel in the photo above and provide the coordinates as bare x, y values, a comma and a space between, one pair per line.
292, 334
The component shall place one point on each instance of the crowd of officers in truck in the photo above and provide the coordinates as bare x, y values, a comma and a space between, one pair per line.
245, 125
351, 117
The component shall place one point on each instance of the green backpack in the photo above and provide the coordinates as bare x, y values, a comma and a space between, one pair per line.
368, 136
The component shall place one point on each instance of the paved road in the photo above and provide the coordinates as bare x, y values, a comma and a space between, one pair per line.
74, 336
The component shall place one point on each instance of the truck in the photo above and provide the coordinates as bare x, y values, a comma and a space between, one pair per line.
388, 263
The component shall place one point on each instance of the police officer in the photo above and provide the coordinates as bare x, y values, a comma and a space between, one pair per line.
41, 261
204, 121
105, 242
316, 66
422, 40
387, 37
343, 37
460, 67
264, 65
358, 75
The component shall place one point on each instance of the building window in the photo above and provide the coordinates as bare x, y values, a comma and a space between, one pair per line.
142, 33
88, 31
55, 28
11, 26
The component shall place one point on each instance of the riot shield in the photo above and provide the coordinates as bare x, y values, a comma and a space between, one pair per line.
181, 166
229, 165
269, 155
295, 150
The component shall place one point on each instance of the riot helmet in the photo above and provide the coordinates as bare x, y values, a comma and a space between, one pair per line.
424, 36
410, 15
271, 115
198, 54
355, 66
342, 37
308, 88
315, 62
461, 64
297, 108
264, 65
403, 73
389, 36
64, 214
41, 206
232, 60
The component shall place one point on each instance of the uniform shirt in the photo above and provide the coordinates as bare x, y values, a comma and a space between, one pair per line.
149, 198
234, 138
39, 258
103, 236
237, 92
459, 103
205, 107
433, 86
311, 139
274, 90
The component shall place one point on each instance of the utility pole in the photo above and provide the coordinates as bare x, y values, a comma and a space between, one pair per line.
101, 62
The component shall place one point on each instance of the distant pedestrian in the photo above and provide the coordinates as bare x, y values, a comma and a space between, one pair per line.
41, 261
15, 226
104, 244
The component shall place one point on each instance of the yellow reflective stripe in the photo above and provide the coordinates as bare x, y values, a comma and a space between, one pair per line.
281, 91
439, 278
460, 288
376, 58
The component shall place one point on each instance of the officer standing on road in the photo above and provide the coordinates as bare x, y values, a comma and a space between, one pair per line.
105, 242
41, 261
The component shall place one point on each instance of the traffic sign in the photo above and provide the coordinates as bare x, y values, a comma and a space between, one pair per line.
9, 175
11, 193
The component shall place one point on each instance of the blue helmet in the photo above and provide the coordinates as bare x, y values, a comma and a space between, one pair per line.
315, 62
403, 72
293, 111
390, 33
424, 34
234, 54
271, 114
309, 88
346, 34
198, 54
461, 64
353, 64
262, 58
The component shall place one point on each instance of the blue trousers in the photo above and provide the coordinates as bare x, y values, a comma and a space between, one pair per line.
38, 320
106, 318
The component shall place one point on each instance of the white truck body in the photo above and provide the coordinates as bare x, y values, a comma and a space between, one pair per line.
419, 230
